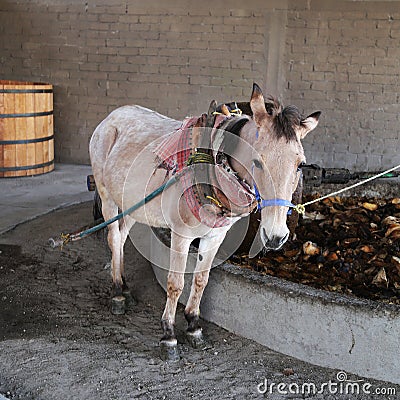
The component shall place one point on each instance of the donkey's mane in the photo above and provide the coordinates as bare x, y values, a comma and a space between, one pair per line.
233, 125
286, 119
236, 124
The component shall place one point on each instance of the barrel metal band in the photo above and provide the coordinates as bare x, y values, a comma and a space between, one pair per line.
37, 114
24, 168
26, 90
27, 141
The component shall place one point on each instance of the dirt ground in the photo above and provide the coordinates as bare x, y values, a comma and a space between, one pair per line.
58, 339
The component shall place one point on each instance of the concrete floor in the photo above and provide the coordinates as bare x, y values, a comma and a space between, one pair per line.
25, 198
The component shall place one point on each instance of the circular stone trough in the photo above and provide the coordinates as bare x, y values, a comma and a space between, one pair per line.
323, 328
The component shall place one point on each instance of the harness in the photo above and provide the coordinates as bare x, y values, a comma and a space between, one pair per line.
212, 190
212, 194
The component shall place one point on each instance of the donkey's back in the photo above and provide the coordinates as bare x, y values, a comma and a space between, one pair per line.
127, 127
127, 135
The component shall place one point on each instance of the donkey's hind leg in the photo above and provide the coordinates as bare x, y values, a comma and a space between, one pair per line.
125, 226
110, 210
207, 250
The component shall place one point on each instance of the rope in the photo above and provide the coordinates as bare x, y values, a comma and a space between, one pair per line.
236, 111
301, 208
215, 201
71, 237
200, 157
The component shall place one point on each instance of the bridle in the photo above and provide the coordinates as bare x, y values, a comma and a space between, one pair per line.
262, 203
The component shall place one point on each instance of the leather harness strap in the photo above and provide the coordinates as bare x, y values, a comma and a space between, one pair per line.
190, 148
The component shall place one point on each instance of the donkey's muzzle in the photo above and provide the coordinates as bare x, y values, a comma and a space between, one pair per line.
273, 242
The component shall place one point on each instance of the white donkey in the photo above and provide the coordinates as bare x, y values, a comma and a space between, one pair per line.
130, 158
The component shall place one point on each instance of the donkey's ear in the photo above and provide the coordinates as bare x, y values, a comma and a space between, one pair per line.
257, 105
211, 114
309, 123
212, 108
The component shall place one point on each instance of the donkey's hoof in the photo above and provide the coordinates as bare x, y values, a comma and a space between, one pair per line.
169, 350
196, 340
118, 305
130, 301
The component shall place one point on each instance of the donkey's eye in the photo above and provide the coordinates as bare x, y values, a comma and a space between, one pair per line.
257, 164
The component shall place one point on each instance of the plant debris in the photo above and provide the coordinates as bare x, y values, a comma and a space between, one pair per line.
345, 245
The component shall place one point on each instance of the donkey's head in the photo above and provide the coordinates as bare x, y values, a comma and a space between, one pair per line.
275, 163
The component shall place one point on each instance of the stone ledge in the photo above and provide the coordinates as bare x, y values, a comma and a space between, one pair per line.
322, 328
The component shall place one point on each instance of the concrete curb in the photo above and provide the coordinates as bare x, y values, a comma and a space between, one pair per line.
322, 328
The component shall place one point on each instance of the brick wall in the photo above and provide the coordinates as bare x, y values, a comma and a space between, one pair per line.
175, 56
99, 56
344, 58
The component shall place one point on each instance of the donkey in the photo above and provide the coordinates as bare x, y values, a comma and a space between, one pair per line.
266, 160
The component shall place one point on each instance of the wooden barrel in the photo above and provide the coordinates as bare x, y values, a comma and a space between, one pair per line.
26, 128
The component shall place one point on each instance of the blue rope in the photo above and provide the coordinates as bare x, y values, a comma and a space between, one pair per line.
130, 210
66, 238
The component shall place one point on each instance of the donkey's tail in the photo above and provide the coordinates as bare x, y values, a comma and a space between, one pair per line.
97, 207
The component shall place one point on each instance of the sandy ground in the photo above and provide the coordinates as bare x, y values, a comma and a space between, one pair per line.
58, 339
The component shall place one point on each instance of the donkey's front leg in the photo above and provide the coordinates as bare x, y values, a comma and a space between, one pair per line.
178, 257
207, 250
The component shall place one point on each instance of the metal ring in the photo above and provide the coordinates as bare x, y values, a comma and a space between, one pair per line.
27, 141
25, 115
26, 90
24, 168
